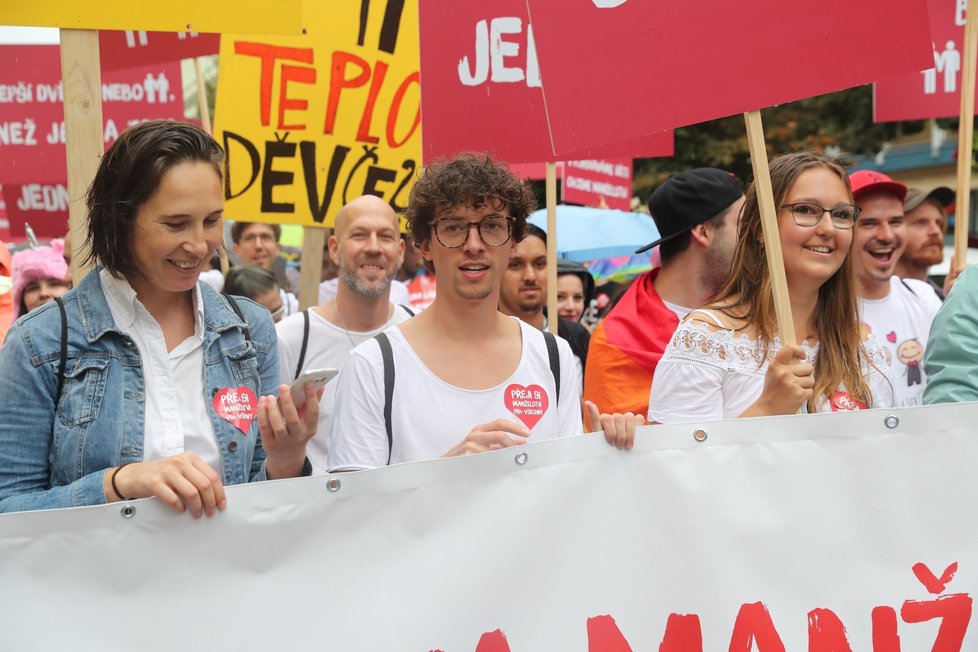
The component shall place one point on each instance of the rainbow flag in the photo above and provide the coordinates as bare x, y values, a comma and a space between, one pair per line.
626, 347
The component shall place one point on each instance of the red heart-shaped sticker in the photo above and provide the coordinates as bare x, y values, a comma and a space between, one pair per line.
236, 405
845, 402
528, 404
891, 337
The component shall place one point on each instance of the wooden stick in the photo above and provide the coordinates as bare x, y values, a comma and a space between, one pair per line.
205, 112
313, 239
966, 130
552, 316
84, 144
769, 223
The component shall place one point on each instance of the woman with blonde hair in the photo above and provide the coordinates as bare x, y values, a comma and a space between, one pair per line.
728, 360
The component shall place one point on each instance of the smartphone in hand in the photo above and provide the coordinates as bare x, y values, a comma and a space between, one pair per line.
318, 377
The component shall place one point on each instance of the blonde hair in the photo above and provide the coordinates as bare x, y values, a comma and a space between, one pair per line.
747, 293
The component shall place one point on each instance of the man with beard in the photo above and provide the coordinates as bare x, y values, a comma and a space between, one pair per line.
461, 377
697, 214
523, 294
367, 248
926, 220
898, 312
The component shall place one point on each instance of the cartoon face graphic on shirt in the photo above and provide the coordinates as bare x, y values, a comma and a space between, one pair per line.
910, 353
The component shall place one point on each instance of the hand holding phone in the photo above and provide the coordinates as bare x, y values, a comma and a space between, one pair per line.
318, 377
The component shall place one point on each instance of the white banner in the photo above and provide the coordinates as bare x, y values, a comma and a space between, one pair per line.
831, 532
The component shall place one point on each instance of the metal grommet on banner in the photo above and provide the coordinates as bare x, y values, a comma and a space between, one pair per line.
699, 435
521, 458
891, 421
129, 511
333, 485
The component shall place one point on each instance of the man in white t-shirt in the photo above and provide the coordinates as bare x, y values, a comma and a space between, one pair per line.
367, 248
466, 378
897, 311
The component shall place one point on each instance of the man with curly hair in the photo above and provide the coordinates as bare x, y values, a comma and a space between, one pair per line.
461, 377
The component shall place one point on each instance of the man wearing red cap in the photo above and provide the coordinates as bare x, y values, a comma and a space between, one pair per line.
897, 311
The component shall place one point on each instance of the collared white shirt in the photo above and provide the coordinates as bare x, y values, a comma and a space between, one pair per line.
177, 416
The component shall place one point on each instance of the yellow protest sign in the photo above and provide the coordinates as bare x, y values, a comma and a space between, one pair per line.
310, 122
238, 16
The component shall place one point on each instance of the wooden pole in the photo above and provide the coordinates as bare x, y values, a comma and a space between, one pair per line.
966, 130
84, 143
552, 315
205, 111
205, 123
769, 223
313, 239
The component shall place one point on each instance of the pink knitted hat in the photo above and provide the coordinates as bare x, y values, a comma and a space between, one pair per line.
33, 264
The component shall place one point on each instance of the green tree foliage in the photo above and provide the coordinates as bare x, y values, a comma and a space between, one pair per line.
843, 120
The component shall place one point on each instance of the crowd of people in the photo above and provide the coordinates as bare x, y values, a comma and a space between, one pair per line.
160, 375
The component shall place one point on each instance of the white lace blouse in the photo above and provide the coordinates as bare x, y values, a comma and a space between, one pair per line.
708, 373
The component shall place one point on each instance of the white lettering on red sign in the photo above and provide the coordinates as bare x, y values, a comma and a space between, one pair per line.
42, 197
492, 53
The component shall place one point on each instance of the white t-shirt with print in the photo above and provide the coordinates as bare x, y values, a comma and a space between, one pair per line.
708, 374
901, 323
328, 346
429, 416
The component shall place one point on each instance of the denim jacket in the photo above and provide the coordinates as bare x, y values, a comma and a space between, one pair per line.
57, 456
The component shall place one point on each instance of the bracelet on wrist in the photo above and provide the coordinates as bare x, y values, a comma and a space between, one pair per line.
115, 487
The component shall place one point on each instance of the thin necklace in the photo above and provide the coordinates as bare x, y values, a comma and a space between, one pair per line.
343, 324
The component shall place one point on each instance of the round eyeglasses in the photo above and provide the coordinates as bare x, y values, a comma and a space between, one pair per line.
809, 214
495, 230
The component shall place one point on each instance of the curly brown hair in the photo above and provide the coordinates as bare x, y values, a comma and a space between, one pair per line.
468, 179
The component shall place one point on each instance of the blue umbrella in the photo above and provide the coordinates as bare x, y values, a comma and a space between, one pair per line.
585, 234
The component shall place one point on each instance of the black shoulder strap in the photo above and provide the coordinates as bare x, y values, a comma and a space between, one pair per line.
907, 285
407, 309
388, 355
305, 341
554, 360
63, 362
237, 311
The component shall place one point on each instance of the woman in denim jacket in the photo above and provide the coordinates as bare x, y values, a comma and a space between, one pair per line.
164, 387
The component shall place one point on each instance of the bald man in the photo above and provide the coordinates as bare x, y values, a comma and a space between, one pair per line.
367, 248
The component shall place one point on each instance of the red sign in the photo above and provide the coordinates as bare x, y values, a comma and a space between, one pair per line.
935, 92
4, 223
33, 166
480, 87
421, 291
118, 49
616, 68
590, 181
44, 206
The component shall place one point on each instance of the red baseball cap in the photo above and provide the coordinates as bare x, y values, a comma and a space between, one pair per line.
864, 181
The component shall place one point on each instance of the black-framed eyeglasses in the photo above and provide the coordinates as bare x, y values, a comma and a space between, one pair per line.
809, 214
495, 230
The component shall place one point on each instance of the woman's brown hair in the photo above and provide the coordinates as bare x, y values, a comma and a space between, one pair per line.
747, 293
